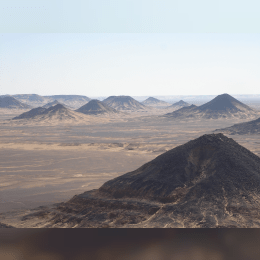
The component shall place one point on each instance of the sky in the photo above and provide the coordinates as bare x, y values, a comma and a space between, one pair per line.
137, 48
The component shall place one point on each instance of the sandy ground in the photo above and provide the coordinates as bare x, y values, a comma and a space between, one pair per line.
42, 165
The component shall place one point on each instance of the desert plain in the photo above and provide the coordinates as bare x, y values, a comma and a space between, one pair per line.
44, 164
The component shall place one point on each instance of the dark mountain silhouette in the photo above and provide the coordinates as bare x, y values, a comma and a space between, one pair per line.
211, 181
10, 102
251, 127
222, 106
123, 103
180, 104
151, 101
95, 107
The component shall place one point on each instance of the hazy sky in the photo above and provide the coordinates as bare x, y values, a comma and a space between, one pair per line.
101, 48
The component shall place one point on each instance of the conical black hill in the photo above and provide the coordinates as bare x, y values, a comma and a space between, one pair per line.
206, 164
222, 106
224, 102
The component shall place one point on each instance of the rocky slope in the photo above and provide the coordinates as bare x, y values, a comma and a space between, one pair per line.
211, 181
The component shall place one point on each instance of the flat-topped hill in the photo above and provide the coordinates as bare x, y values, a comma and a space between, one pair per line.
124, 103
95, 107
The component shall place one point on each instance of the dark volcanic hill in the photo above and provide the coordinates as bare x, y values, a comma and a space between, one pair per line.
10, 102
211, 181
95, 107
180, 104
124, 103
54, 114
151, 101
222, 106
251, 127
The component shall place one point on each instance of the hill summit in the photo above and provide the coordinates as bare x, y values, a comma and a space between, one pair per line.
211, 181
222, 106
124, 103
95, 107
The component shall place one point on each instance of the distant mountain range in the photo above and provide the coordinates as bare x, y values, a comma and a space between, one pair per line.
222, 106
95, 107
73, 101
124, 103
11, 103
